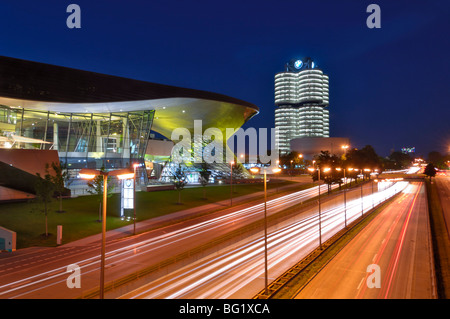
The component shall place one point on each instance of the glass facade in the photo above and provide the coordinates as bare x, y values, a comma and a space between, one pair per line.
302, 100
302, 87
83, 140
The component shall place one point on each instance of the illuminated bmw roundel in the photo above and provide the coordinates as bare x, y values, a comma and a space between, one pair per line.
298, 64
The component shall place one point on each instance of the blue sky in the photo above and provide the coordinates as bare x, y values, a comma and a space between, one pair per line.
389, 87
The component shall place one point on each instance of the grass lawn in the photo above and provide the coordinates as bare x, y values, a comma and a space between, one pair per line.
81, 213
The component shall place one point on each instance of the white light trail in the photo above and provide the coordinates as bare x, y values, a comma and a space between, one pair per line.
222, 276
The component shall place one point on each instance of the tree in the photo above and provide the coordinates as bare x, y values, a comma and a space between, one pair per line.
292, 160
205, 174
438, 160
45, 189
328, 164
398, 160
179, 180
430, 170
95, 187
238, 171
365, 158
61, 180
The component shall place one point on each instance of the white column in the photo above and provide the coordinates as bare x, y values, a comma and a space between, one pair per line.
55, 136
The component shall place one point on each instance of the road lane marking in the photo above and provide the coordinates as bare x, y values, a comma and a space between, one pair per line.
400, 245
360, 283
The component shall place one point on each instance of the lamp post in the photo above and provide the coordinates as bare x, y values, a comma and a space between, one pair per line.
90, 174
345, 197
255, 170
370, 172
231, 183
320, 213
344, 147
134, 198
362, 203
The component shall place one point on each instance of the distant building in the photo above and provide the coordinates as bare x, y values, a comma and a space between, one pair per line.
301, 97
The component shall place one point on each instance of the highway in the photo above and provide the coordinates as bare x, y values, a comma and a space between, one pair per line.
398, 242
238, 271
42, 273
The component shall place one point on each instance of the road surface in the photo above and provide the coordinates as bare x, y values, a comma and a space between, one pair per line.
238, 271
42, 272
398, 242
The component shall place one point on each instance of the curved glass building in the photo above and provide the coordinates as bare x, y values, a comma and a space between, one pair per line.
94, 120
301, 97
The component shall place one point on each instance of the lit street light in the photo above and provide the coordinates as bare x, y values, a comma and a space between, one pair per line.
275, 170
134, 197
362, 202
231, 183
86, 173
345, 197
326, 169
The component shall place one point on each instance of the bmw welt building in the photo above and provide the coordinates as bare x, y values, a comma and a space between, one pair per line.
92, 120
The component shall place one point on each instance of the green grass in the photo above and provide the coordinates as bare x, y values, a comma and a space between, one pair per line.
81, 213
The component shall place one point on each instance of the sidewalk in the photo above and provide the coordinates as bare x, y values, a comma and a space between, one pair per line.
160, 221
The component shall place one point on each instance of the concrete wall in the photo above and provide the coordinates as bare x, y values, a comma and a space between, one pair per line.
30, 161
9, 194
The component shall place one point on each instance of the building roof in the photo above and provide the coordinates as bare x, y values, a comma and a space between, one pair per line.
27, 80
45, 87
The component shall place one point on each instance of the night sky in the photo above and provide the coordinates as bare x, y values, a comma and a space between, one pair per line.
389, 87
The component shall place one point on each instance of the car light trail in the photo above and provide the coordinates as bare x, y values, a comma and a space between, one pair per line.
147, 246
144, 248
223, 276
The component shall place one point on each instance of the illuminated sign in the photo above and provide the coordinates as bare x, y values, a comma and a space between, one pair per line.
127, 198
406, 150
298, 64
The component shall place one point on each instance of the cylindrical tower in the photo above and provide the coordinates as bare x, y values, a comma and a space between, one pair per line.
301, 97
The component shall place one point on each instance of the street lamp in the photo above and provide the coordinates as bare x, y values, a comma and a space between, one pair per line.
275, 170
362, 202
231, 183
345, 197
135, 166
86, 173
320, 215
369, 170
